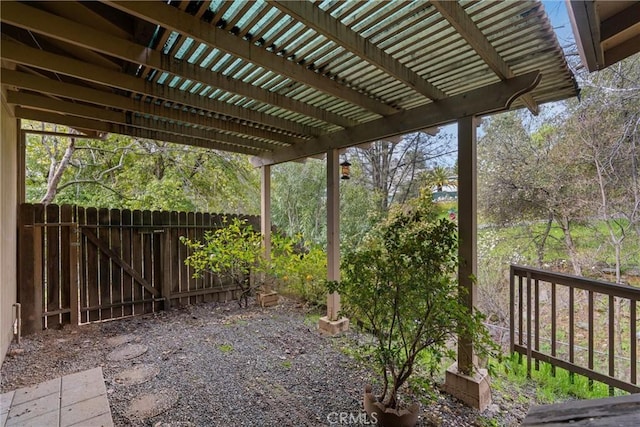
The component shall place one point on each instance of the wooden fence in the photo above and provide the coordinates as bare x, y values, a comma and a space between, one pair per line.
588, 327
78, 265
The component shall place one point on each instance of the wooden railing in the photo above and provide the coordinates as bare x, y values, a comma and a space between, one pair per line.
588, 327
79, 265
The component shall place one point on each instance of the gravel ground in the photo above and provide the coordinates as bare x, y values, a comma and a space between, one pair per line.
219, 365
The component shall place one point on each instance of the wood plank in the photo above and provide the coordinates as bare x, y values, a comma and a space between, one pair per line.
39, 258
127, 280
207, 279
618, 411
51, 257
93, 254
167, 265
185, 271
81, 219
157, 238
116, 269
175, 253
66, 281
191, 221
104, 264
147, 254
198, 234
136, 264
73, 288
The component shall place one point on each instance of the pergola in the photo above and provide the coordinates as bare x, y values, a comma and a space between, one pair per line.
283, 81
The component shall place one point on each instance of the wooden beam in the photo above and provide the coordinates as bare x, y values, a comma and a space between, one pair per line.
170, 17
327, 25
621, 51
108, 99
458, 18
620, 22
489, 99
586, 28
78, 69
83, 123
39, 21
123, 118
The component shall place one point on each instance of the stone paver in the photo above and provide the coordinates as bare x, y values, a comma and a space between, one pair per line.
137, 375
78, 399
126, 352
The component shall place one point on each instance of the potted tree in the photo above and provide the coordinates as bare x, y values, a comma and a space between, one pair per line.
400, 284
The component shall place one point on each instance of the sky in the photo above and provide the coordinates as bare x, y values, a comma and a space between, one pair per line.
557, 12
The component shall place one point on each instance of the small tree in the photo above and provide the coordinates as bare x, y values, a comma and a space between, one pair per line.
401, 284
235, 252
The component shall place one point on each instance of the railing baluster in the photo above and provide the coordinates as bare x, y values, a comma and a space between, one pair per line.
536, 296
528, 325
634, 342
590, 345
553, 326
571, 329
612, 350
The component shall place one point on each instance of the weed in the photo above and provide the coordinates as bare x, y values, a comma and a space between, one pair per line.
226, 348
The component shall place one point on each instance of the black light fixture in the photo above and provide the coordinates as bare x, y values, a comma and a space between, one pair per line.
346, 171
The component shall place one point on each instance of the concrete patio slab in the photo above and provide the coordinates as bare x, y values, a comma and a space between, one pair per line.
72, 400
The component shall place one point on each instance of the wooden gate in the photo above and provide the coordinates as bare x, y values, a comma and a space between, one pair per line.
80, 265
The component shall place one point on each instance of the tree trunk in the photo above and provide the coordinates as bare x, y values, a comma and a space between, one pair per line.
570, 245
56, 171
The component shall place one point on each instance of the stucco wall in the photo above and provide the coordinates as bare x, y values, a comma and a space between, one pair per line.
8, 234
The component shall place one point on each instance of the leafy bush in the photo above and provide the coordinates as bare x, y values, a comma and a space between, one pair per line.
401, 284
235, 252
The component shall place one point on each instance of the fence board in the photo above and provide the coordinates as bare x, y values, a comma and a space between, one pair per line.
175, 252
185, 271
137, 260
66, 264
116, 269
93, 296
51, 236
105, 265
127, 279
157, 237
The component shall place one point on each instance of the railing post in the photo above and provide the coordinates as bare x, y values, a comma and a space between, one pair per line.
512, 309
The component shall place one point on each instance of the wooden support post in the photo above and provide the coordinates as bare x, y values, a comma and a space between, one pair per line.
463, 380
265, 210
332, 323
467, 230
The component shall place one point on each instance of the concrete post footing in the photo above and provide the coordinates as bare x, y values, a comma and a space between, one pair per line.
333, 327
474, 390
